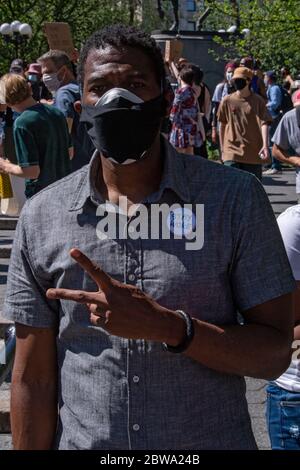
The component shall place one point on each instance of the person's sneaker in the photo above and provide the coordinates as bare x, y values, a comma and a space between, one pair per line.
272, 171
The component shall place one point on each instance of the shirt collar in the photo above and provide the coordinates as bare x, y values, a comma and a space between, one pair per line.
174, 178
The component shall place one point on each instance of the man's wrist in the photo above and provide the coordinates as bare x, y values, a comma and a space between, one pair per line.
4, 167
183, 341
175, 329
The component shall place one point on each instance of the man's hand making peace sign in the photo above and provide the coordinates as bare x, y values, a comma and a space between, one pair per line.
121, 309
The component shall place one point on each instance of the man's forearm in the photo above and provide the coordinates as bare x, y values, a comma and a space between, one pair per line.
265, 135
16, 170
282, 156
34, 413
174, 70
27, 172
246, 350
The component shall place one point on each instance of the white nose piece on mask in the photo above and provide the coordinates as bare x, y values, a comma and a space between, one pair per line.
114, 93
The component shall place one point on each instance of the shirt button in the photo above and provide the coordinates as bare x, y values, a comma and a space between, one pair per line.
131, 277
136, 379
136, 427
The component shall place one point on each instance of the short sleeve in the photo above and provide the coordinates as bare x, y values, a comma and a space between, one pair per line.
260, 270
289, 225
280, 137
25, 299
64, 101
217, 96
26, 147
222, 112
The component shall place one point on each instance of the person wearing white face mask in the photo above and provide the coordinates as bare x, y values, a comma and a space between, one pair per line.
58, 76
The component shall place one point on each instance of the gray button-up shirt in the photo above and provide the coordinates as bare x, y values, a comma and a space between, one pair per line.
123, 394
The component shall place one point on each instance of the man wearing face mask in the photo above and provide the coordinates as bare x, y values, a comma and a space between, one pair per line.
58, 76
244, 123
39, 91
141, 348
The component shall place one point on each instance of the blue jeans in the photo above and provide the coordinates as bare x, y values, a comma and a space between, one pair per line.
283, 418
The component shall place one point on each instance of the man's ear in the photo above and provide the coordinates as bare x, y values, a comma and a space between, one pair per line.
77, 106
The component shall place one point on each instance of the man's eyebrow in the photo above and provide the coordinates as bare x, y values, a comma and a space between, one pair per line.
98, 77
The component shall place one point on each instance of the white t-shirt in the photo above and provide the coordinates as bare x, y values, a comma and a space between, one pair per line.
289, 225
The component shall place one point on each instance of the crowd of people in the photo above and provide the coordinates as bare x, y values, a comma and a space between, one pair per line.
244, 139
41, 137
197, 116
130, 342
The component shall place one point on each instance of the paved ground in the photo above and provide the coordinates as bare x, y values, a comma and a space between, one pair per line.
281, 192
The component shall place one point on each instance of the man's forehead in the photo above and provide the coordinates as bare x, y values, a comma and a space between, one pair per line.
123, 58
48, 63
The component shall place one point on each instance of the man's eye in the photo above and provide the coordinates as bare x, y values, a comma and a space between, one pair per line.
98, 88
137, 85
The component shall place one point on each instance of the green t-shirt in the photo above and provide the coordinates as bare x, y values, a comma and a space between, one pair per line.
42, 138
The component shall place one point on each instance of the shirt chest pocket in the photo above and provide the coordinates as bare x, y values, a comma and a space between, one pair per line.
190, 281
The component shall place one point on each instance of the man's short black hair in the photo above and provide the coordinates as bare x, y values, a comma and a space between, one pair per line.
120, 35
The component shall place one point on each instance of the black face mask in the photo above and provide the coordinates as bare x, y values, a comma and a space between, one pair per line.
239, 83
122, 126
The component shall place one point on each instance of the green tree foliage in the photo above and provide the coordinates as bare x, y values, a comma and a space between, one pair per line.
274, 30
84, 17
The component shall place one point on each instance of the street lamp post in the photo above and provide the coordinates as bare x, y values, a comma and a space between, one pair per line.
16, 33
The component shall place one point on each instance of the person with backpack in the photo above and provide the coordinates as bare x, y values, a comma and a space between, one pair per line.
274, 106
287, 138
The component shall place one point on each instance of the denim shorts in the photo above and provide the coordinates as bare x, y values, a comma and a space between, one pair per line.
283, 418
